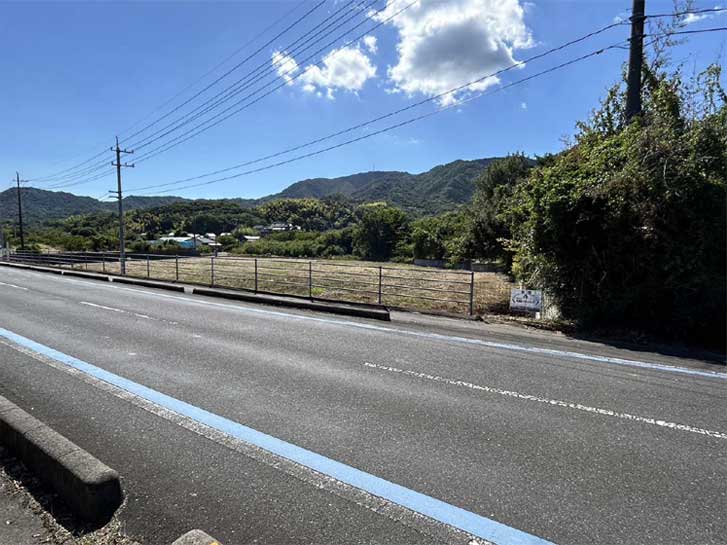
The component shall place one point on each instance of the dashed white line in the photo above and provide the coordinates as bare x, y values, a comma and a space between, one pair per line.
113, 309
13, 286
552, 402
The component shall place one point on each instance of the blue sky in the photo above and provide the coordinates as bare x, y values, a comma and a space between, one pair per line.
77, 73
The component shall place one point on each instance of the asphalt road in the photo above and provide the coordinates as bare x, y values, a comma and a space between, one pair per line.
501, 424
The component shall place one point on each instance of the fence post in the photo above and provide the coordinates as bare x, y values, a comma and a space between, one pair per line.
381, 271
176, 268
103, 262
256, 275
148, 267
212, 270
310, 280
472, 292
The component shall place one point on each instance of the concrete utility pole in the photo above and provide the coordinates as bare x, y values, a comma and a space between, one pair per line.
636, 58
122, 240
20, 212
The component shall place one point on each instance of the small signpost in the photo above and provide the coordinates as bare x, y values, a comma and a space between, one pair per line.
526, 300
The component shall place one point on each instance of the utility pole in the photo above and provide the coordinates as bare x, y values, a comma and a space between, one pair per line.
636, 58
20, 212
122, 241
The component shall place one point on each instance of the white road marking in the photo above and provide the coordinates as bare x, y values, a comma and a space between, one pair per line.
591, 358
112, 309
552, 402
13, 286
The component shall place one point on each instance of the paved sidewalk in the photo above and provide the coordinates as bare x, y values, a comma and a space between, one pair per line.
26, 519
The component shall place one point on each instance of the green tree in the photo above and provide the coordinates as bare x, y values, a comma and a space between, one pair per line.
440, 237
488, 229
627, 227
378, 231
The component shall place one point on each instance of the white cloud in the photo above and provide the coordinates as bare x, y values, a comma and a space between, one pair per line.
346, 69
692, 18
370, 43
285, 66
443, 45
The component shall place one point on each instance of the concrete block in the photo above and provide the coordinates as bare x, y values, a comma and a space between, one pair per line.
89, 488
196, 537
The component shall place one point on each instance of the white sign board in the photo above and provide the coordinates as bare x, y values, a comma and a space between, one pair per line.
531, 300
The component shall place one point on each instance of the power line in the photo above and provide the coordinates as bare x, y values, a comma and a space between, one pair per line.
226, 59
238, 65
406, 108
254, 39
686, 12
149, 155
400, 124
267, 68
700, 31
69, 180
286, 77
403, 123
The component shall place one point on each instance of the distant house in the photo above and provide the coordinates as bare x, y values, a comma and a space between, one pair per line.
275, 227
188, 242
250, 238
183, 242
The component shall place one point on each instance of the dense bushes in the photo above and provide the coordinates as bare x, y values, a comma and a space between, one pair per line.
627, 227
440, 237
301, 244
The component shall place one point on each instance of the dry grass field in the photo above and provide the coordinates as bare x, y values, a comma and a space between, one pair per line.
401, 286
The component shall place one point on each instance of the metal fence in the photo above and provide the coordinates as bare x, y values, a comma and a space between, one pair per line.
444, 291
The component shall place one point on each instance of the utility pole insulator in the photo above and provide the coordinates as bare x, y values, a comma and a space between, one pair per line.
122, 239
636, 59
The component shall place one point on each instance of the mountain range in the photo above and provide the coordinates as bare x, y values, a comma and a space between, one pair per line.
444, 187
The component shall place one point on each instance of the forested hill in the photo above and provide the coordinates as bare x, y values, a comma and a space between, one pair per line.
40, 205
442, 188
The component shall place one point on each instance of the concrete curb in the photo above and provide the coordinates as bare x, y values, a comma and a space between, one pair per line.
146, 283
81, 274
89, 488
359, 311
196, 537
55, 270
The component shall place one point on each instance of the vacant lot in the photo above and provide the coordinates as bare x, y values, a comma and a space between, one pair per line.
395, 285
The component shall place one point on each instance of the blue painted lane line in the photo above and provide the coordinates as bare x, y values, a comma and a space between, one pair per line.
469, 522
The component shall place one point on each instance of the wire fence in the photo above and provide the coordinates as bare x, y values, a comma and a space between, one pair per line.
411, 288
